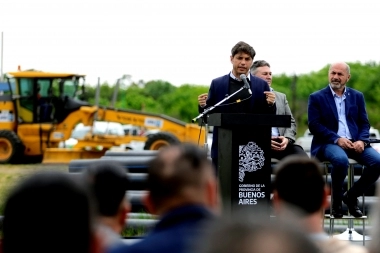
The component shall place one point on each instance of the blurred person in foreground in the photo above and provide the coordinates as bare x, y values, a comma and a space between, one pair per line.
246, 234
374, 244
108, 183
300, 195
182, 191
49, 212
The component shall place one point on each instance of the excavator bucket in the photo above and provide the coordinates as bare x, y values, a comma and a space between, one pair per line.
65, 155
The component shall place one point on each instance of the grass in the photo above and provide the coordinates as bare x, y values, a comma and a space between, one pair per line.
132, 232
10, 175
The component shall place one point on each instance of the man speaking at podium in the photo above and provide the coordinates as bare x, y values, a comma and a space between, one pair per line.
256, 98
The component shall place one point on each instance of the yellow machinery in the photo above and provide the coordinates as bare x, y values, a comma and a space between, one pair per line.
38, 110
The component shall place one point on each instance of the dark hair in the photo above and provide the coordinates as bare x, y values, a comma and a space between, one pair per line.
258, 64
175, 168
242, 47
48, 212
108, 182
299, 181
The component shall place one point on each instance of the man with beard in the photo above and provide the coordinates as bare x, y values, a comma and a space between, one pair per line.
338, 120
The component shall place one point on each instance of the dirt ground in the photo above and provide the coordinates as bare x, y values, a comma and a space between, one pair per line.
11, 174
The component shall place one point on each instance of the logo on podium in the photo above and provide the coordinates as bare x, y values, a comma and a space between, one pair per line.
251, 158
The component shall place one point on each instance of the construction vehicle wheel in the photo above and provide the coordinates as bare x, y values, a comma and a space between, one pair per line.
160, 140
11, 147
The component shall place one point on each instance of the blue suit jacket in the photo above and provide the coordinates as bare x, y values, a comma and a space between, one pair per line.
323, 117
177, 231
219, 88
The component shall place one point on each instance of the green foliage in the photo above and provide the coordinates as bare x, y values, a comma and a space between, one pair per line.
129, 232
136, 98
157, 89
161, 97
182, 103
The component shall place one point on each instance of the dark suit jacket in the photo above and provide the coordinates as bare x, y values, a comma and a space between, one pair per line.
257, 104
176, 232
323, 117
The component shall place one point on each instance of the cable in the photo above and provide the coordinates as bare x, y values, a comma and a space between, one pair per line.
237, 101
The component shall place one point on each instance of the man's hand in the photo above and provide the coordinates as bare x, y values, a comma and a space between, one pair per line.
345, 143
270, 97
358, 146
202, 99
279, 143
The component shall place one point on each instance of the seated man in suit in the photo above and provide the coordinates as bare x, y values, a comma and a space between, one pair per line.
282, 138
338, 120
257, 100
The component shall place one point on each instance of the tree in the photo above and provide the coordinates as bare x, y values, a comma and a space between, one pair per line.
157, 89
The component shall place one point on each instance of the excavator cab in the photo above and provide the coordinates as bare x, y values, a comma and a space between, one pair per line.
30, 106
45, 97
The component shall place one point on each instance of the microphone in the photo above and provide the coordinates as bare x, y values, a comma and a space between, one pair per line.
246, 84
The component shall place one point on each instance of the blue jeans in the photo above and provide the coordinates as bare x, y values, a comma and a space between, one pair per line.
338, 158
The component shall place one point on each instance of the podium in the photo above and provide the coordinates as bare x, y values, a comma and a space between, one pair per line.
244, 158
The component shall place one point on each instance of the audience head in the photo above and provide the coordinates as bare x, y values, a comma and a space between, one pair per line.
262, 70
244, 235
108, 184
48, 212
299, 183
181, 175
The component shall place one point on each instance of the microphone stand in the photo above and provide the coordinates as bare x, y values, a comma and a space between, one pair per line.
206, 134
207, 110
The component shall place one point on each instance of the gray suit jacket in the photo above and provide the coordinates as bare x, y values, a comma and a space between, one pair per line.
282, 108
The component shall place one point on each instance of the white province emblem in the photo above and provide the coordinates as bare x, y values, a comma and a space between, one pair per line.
251, 158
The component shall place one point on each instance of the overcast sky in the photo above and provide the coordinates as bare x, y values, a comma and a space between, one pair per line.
184, 41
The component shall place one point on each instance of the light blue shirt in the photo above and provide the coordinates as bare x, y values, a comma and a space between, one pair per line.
340, 104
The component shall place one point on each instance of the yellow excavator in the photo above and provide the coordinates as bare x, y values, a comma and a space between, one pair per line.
38, 110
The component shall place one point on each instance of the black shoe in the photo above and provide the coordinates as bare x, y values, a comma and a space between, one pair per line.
352, 204
337, 211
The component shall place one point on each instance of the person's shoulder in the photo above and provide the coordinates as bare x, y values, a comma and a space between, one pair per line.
220, 78
257, 80
118, 248
144, 245
259, 84
156, 243
356, 92
319, 92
